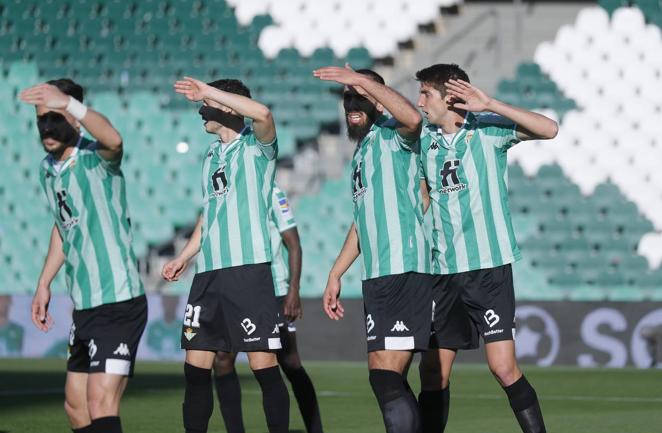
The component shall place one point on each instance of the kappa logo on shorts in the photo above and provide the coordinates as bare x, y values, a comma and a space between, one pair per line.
491, 318
189, 334
276, 330
249, 327
369, 323
92, 348
122, 350
399, 326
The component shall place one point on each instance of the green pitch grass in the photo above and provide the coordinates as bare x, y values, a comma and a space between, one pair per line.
573, 400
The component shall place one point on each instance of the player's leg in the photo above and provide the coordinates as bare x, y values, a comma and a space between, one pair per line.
491, 295
104, 393
228, 391
198, 395
398, 321
452, 329
434, 399
75, 402
302, 386
521, 395
397, 404
275, 398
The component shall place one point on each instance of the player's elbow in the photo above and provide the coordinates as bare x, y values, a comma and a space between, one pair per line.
551, 131
263, 115
413, 122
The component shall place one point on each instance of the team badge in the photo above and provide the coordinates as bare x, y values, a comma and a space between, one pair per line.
468, 137
189, 334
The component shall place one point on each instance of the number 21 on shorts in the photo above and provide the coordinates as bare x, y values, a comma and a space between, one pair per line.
192, 316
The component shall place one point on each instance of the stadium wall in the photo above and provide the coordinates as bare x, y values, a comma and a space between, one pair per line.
585, 334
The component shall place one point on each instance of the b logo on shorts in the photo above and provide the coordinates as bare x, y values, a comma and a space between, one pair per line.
369, 323
249, 327
92, 348
491, 318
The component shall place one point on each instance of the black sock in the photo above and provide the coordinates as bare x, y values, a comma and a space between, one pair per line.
198, 399
524, 403
107, 424
399, 410
304, 392
275, 399
229, 400
434, 410
86, 429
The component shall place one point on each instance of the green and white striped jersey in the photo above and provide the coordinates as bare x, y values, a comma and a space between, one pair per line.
237, 179
468, 176
388, 210
87, 196
282, 219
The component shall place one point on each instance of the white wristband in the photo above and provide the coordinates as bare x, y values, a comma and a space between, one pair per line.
76, 108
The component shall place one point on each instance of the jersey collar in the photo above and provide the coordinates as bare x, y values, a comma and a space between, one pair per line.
438, 134
50, 161
227, 146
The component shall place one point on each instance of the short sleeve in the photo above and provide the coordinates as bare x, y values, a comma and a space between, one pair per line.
269, 150
111, 166
389, 132
503, 130
281, 211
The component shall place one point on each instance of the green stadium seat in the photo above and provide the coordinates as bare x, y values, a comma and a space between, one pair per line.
22, 74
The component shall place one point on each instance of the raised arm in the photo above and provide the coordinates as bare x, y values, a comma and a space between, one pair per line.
530, 125
174, 268
292, 307
99, 127
396, 104
349, 252
263, 121
54, 261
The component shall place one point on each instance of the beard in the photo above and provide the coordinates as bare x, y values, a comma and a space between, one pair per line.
358, 132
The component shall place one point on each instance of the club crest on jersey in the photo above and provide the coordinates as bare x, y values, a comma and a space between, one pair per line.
468, 137
219, 182
358, 190
189, 334
450, 182
64, 211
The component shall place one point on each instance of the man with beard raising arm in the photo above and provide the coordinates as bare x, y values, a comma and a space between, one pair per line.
388, 234
91, 237
464, 160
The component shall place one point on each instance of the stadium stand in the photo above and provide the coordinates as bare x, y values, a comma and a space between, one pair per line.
585, 205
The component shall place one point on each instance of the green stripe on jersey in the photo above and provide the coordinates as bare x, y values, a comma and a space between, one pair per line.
282, 219
237, 179
388, 210
87, 197
469, 194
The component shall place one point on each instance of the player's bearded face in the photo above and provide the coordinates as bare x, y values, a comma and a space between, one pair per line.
360, 114
56, 131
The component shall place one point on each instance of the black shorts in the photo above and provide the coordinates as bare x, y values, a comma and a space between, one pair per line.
398, 312
291, 326
488, 297
232, 310
452, 326
105, 339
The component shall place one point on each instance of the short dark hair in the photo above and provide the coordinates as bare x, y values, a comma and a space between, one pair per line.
68, 87
437, 75
372, 74
231, 85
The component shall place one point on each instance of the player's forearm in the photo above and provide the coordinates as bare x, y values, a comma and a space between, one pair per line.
349, 252
104, 133
54, 259
396, 104
192, 247
246, 107
533, 125
295, 258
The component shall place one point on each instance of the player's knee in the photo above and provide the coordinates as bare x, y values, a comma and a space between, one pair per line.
77, 412
505, 372
102, 404
289, 362
223, 363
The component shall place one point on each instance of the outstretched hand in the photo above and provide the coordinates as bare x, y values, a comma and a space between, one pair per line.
192, 89
468, 97
346, 75
45, 94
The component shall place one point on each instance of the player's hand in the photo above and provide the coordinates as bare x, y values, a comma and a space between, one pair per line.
40, 316
331, 299
173, 269
194, 90
292, 306
345, 75
467, 97
45, 94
